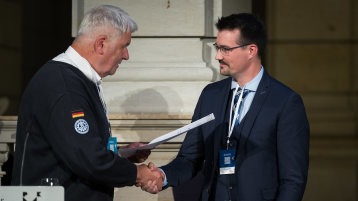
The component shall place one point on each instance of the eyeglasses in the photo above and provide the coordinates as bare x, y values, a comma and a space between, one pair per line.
227, 50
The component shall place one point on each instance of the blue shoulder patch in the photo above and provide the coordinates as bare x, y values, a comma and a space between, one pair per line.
81, 126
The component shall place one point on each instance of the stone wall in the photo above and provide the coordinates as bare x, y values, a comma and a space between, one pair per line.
313, 49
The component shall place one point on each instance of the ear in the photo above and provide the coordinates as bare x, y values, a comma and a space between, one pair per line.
99, 44
253, 50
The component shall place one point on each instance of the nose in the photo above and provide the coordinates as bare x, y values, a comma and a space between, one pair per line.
125, 54
218, 55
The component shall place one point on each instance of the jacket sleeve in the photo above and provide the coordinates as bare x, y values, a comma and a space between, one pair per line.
84, 149
190, 157
292, 149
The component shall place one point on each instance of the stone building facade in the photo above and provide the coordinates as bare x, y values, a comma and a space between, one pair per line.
312, 48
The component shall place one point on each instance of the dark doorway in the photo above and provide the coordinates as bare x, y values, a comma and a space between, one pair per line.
46, 32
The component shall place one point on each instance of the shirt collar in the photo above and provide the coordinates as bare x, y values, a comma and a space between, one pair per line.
72, 57
253, 84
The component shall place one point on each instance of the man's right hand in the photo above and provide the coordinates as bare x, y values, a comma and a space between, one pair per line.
150, 178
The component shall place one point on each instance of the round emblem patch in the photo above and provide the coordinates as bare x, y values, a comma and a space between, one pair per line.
81, 126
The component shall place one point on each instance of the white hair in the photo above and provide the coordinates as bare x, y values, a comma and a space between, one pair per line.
102, 16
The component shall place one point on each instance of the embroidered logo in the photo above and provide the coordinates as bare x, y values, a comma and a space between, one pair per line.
81, 126
78, 114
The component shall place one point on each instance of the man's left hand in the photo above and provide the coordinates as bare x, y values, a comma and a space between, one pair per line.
140, 155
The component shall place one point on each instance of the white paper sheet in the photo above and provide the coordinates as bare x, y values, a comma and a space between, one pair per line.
126, 152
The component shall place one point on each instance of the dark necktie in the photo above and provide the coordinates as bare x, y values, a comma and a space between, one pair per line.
236, 104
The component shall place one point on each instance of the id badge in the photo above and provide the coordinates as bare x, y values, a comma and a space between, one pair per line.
112, 144
227, 161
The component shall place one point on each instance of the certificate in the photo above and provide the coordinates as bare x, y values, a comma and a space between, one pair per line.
126, 152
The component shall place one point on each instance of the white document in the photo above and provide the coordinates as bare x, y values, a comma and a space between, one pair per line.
126, 152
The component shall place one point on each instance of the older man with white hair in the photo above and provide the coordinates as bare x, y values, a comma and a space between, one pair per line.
63, 130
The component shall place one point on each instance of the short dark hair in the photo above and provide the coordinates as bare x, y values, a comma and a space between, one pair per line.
252, 29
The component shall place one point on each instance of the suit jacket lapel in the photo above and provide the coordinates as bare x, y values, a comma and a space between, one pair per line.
249, 119
220, 129
222, 101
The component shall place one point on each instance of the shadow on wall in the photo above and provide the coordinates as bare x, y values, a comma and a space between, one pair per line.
151, 101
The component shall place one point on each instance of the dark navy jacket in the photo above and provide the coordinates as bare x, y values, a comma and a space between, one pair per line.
272, 150
78, 157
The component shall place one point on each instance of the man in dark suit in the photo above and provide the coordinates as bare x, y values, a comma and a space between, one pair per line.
257, 148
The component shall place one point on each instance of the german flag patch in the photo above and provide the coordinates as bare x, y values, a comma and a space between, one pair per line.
78, 114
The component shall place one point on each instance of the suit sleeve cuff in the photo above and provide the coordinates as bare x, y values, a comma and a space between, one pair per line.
165, 182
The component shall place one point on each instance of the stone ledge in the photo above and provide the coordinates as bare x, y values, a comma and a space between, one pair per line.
8, 118
147, 117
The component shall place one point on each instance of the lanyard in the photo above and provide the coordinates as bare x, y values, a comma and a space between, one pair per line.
101, 96
236, 115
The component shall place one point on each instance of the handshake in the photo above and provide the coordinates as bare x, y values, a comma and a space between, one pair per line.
150, 178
